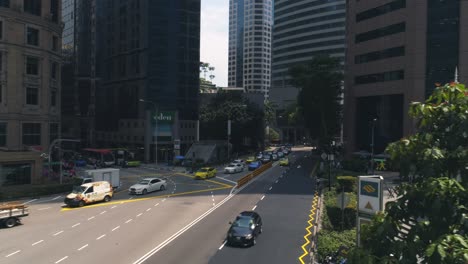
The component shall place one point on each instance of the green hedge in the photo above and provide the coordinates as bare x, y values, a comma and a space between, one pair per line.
329, 241
15, 192
348, 182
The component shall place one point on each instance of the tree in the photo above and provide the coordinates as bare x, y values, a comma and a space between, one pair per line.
207, 85
429, 220
319, 83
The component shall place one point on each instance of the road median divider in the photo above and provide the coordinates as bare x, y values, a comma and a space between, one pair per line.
242, 181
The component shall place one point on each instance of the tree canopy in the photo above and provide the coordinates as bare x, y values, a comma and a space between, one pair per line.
429, 220
319, 83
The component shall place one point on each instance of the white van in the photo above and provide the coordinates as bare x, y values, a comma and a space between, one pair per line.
90, 193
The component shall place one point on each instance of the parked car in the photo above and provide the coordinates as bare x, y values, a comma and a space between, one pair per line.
284, 161
266, 159
233, 168
205, 173
245, 229
254, 165
148, 185
250, 159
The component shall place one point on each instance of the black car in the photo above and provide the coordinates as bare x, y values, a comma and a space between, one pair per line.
266, 159
245, 229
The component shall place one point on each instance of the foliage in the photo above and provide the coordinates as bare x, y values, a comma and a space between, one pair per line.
432, 209
319, 82
329, 241
332, 213
274, 136
347, 182
355, 164
269, 112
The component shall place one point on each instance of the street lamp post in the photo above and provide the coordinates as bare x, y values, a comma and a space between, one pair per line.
156, 128
372, 145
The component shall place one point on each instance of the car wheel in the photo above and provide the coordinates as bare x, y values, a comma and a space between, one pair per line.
162, 188
261, 230
144, 192
107, 198
10, 222
254, 241
81, 203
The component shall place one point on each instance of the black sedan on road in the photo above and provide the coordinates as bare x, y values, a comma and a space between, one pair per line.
245, 229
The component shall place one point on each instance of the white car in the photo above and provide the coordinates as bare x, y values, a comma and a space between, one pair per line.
233, 168
148, 185
239, 161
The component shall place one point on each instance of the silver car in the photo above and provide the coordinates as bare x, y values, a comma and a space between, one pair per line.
148, 185
233, 168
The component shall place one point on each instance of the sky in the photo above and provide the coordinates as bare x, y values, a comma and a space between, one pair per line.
214, 38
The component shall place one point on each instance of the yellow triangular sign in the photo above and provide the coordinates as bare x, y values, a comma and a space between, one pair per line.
369, 206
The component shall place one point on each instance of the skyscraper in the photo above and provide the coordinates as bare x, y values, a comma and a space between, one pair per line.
250, 25
397, 51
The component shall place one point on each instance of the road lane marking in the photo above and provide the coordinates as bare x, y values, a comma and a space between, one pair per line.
214, 204
270, 188
138, 215
83, 247
263, 197
164, 199
156, 204
103, 212
253, 209
30, 201
40, 209
60, 260
92, 217
147, 210
11, 254
113, 206
75, 225
100, 237
128, 221
221, 178
38, 242
58, 233
56, 198
222, 245
115, 228
310, 223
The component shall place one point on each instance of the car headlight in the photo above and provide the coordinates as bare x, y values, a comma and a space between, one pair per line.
249, 236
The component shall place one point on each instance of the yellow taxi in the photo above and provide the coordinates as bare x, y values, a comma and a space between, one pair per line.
284, 162
205, 173
250, 159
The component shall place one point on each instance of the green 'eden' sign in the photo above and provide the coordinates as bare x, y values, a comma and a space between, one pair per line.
165, 117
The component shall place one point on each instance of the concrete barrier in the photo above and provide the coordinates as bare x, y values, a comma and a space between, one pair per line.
242, 181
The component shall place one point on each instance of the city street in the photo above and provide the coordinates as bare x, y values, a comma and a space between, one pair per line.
125, 229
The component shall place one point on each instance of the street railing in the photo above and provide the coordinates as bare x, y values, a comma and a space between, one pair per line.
242, 181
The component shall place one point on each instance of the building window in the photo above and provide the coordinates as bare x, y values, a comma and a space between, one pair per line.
381, 10
16, 174
53, 97
32, 96
32, 36
32, 66
54, 43
53, 132
54, 10
4, 3
32, 7
380, 55
53, 70
1, 29
3, 134
32, 134
380, 77
381, 32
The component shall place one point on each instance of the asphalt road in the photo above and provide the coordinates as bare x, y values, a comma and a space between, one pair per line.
283, 201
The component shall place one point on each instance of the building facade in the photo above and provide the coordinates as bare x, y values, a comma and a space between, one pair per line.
250, 29
147, 50
30, 86
302, 30
396, 51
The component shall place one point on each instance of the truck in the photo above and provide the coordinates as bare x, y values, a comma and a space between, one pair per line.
90, 193
110, 175
11, 214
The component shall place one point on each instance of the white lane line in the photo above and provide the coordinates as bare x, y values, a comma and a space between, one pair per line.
253, 209
226, 180
100, 237
113, 206
298, 166
156, 204
263, 197
92, 217
270, 188
11, 254
130, 198
164, 199
115, 228
138, 215
30, 201
103, 212
221, 247
40, 209
149, 209
83, 247
128, 221
56, 198
38, 242
60, 260
58, 233
75, 225
214, 204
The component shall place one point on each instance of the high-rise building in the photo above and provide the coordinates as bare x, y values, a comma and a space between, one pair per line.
147, 50
30, 58
250, 26
302, 30
396, 51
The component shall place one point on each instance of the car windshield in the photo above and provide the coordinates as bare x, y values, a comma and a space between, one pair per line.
231, 165
284, 159
79, 189
203, 170
144, 182
243, 222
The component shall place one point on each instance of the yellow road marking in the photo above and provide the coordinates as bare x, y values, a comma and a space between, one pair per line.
190, 176
311, 218
146, 198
